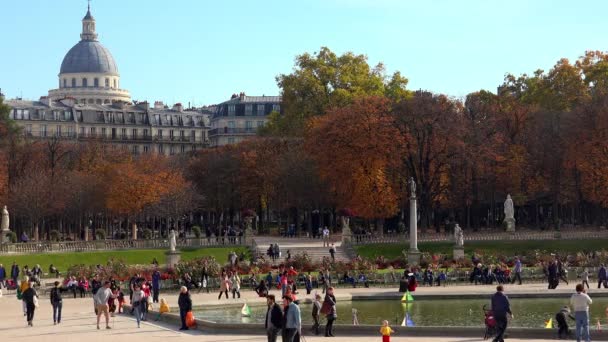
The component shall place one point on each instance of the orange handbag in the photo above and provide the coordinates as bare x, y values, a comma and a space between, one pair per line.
190, 322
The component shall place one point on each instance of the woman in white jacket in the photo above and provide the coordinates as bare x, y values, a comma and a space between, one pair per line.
236, 285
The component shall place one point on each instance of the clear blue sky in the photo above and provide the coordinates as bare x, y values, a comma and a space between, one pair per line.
203, 50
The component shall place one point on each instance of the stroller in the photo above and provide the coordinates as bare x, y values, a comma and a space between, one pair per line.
490, 322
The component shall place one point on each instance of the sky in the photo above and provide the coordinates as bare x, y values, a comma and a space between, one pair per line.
202, 51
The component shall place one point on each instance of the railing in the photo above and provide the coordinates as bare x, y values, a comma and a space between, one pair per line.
365, 239
99, 245
226, 130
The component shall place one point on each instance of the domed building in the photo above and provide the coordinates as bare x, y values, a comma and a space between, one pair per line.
88, 73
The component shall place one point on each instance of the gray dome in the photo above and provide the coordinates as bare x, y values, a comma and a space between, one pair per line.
88, 56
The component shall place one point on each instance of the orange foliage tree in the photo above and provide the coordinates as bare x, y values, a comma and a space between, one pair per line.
354, 147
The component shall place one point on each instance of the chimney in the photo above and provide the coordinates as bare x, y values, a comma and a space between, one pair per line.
159, 105
178, 107
234, 96
144, 105
242, 96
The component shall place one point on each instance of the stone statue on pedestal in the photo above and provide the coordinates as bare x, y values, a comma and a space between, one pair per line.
172, 240
5, 221
509, 214
412, 188
458, 236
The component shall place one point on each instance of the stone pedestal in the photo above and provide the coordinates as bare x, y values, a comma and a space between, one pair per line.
173, 258
458, 253
413, 258
510, 222
86, 233
134, 231
4, 238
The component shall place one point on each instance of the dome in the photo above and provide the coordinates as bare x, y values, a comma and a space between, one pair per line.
88, 56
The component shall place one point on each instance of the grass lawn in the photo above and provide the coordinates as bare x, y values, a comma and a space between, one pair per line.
508, 248
138, 256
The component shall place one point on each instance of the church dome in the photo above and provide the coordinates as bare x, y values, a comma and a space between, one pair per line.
89, 56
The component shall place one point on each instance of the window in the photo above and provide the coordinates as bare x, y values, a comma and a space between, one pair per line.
41, 114
168, 119
82, 131
231, 124
182, 135
231, 140
123, 133
157, 119
172, 150
100, 117
160, 133
146, 148
67, 116
145, 132
115, 84
103, 132
134, 133
119, 118
28, 129
160, 149
192, 135
142, 118
73, 83
135, 149
248, 109
183, 148
85, 82
93, 131
58, 131
261, 110
79, 116
249, 126
26, 114
43, 130
65, 83
71, 131
131, 117
276, 108
107, 82
96, 82
18, 114
260, 124
231, 110
171, 134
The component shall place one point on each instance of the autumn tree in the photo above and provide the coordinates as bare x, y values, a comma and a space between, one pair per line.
353, 147
324, 80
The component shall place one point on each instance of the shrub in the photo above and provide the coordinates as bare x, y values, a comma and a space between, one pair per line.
195, 266
100, 234
54, 235
196, 230
301, 262
12, 237
147, 233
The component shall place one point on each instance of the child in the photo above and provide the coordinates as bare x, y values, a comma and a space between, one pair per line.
386, 331
355, 318
164, 307
121, 299
585, 278
562, 323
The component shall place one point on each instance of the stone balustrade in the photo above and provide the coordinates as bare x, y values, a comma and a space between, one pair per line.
365, 239
102, 245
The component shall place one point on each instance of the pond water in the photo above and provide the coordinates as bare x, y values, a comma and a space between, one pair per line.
530, 313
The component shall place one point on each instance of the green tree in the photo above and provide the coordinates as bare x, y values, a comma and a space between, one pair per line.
323, 81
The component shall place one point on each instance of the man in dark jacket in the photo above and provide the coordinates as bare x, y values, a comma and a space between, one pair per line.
274, 319
185, 304
601, 277
28, 297
553, 275
15, 272
500, 307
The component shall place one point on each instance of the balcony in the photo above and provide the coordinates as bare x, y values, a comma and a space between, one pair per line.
232, 131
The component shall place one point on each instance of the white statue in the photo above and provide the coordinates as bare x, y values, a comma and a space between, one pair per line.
509, 210
412, 188
172, 240
4, 222
458, 236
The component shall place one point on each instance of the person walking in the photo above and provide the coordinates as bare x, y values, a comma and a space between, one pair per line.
325, 237
224, 285
236, 285
56, 302
332, 252
580, 302
155, 285
101, 303
585, 278
553, 275
316, 312
184, 302
138, 301
274, 319
30, 298
331, 312
15, 273
500, 307
2, 277
292, 320
601, 277
517, 271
